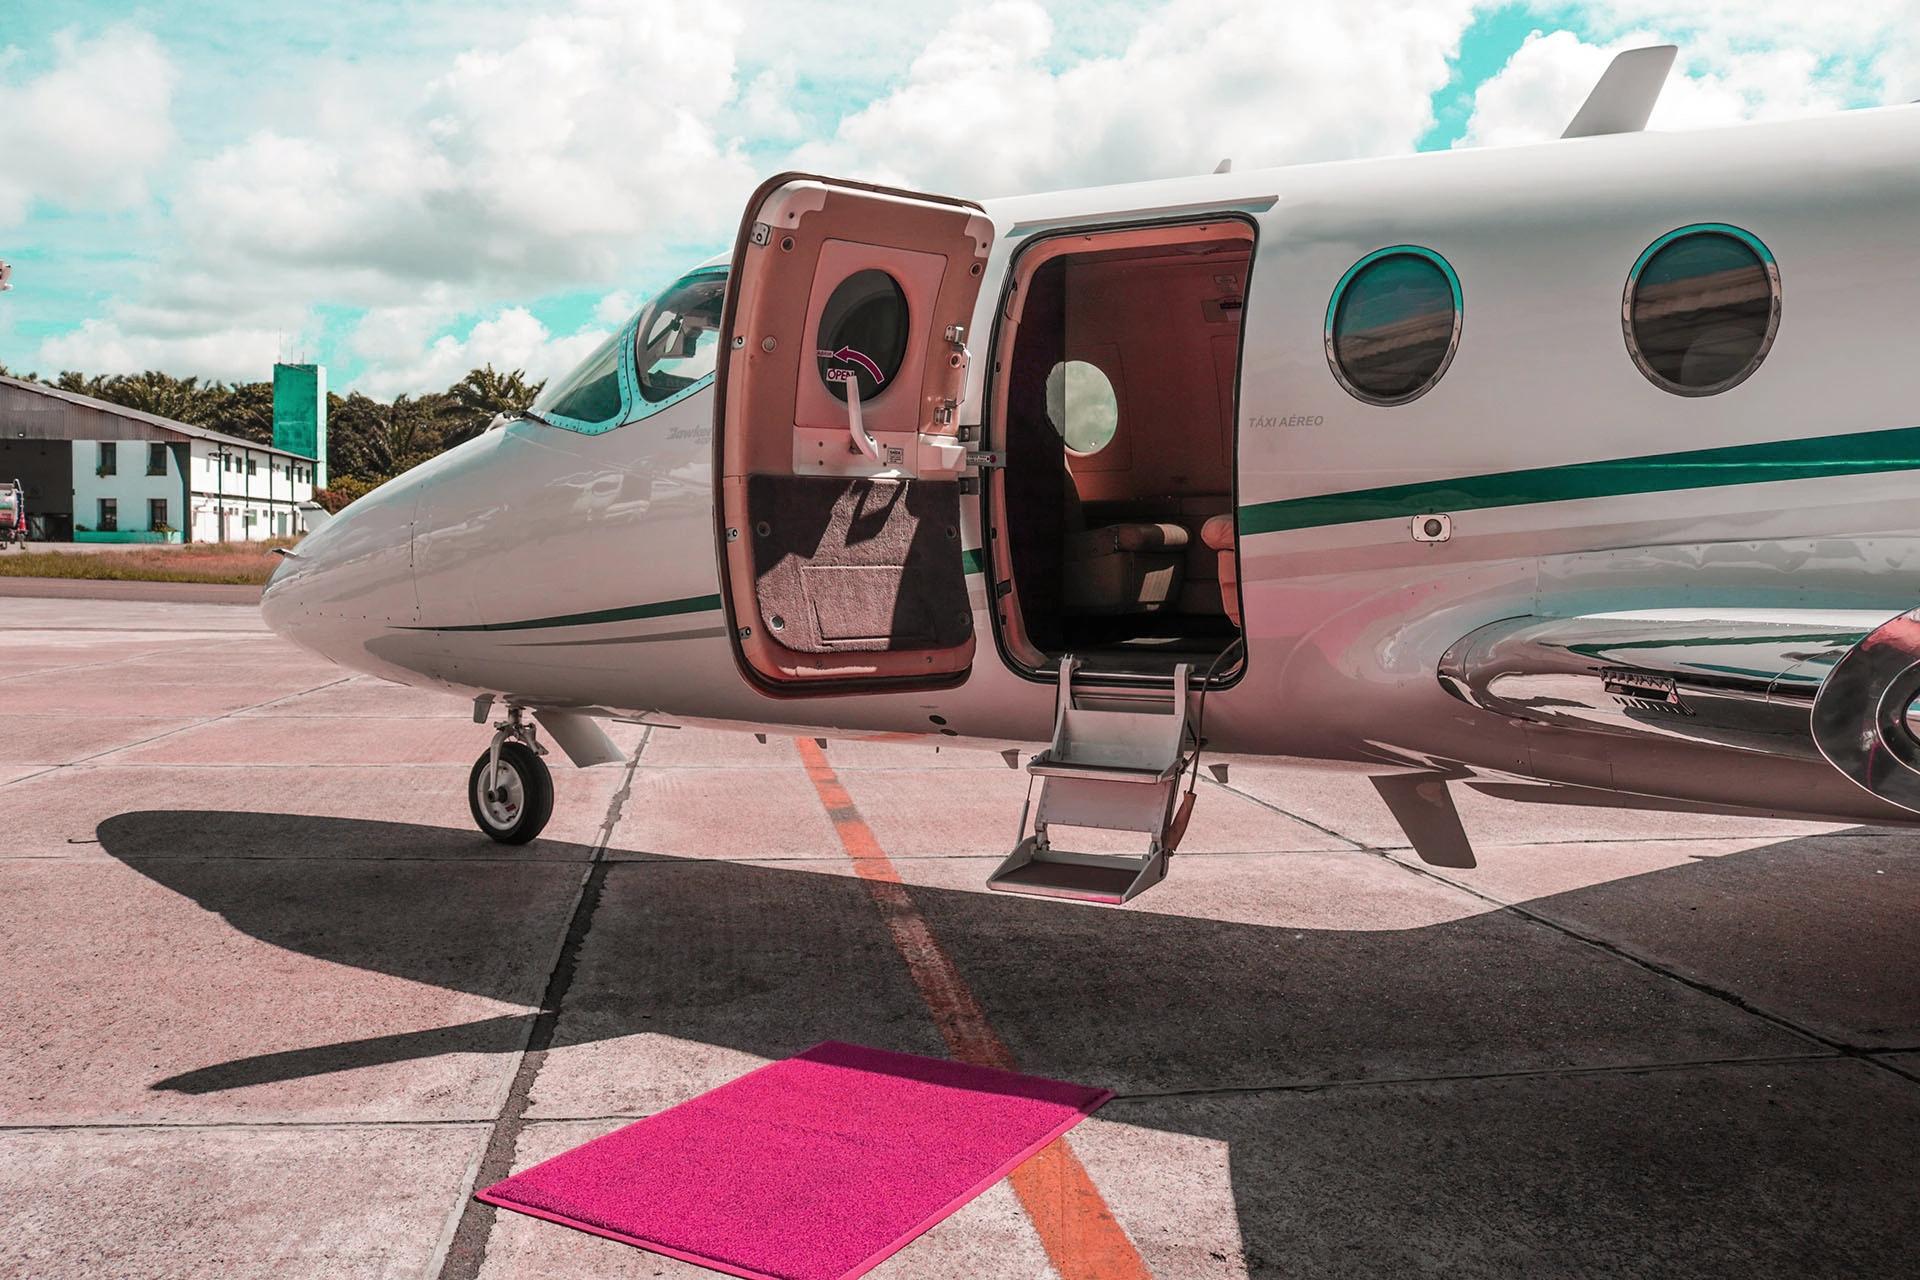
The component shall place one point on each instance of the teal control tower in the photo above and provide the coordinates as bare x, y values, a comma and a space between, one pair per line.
300, 414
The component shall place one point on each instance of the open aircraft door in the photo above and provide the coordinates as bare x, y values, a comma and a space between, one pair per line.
838, 457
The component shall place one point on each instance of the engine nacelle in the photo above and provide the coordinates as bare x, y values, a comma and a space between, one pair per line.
1862, 719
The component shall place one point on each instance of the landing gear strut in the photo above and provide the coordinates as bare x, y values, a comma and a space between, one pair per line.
510, 790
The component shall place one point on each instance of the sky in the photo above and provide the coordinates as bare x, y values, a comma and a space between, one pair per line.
405, 192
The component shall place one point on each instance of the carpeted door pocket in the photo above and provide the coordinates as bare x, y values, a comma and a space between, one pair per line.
851, 565
863, 606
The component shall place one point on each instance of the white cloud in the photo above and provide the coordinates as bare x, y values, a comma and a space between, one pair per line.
766, 108
585, 150
560, 159
1739, 60
616, 307
603, 143
983, 113
231, 354
513, 338
89, 131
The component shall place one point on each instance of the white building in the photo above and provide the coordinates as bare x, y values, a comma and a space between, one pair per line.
233, 491
98, 472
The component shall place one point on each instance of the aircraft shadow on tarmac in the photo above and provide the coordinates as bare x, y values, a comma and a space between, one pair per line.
1505, 1156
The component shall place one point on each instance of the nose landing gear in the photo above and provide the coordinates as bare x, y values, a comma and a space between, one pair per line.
510, 790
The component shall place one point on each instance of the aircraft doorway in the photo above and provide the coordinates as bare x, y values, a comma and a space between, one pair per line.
1111, 531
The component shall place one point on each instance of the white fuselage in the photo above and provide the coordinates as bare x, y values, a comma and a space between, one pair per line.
556, 569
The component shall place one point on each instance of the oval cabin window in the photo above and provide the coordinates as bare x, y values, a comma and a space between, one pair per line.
863, 334
1082, 406
1394, 324
1701, 309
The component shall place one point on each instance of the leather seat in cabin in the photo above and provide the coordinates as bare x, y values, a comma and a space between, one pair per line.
1218, 533
1131, 567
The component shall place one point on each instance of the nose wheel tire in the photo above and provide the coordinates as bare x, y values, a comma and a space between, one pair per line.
515, 808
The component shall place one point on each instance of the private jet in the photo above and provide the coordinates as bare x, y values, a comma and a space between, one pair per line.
1582, 471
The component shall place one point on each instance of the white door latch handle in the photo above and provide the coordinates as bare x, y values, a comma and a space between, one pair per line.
857, 429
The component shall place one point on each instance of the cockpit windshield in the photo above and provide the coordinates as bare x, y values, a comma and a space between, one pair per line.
675, 344
590, 395
678, 335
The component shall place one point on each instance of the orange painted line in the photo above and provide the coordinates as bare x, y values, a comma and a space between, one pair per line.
1083, 1239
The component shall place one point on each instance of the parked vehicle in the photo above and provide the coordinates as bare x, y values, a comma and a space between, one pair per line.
13, 513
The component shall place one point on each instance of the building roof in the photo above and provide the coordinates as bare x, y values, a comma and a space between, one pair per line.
78, 417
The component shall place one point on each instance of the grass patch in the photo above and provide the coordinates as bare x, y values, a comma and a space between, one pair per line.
238, 563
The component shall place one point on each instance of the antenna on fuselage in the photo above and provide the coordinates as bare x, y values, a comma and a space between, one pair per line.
1623, 98
1225, 166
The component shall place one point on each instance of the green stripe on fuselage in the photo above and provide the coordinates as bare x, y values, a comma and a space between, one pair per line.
1859, 454
971, 561
628, 613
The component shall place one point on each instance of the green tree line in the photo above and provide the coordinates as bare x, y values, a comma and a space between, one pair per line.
369, 441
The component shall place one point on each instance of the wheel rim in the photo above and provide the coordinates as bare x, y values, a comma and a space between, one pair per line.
503, 803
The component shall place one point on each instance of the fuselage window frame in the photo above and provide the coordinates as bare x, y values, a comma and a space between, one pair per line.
1769, 265
1453, 339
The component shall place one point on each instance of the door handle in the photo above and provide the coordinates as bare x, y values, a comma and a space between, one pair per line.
856, 428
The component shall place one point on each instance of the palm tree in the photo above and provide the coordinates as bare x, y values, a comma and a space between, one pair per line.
181, 399
484, 393
79, 383
245, 410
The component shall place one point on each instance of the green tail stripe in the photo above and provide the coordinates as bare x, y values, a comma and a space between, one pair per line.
1860, 453
630, 613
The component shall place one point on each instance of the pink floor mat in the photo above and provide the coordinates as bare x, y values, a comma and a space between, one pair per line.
815, 1168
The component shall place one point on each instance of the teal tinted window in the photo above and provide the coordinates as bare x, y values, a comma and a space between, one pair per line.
590, 395
678, 336
674, 342
1393, 325
1701, 309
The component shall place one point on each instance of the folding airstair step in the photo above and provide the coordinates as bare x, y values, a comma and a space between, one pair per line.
1106, 769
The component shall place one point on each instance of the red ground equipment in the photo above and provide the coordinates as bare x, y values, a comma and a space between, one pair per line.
13, 513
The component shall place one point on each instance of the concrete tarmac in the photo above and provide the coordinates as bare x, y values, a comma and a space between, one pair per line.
271, 1005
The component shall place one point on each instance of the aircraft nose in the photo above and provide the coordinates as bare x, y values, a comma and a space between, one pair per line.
350, 579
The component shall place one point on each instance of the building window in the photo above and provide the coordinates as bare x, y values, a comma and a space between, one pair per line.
253, 467
109, 458
156, 459
109, 515
1393, 324
157, 514
1701, 309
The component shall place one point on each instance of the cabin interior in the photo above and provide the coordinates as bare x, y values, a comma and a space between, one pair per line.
1113, 533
